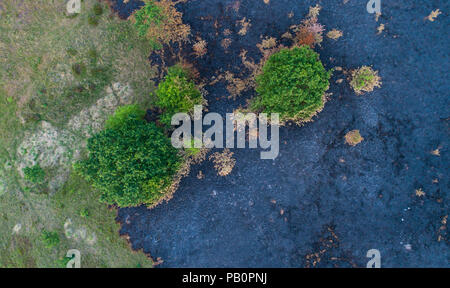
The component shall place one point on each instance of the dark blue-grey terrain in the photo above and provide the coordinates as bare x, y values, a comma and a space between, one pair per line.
321, 203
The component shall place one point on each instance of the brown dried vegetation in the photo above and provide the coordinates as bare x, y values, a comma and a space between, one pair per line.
223, 162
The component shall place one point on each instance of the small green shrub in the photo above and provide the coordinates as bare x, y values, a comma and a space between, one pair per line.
78, 69
93, 56
365, 79
50, 239
131, 164
34, 174
177, 94
97, 9
93, 20
122, 114
72, 51
293, 83
84, 213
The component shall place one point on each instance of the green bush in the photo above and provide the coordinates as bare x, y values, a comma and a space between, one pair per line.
34, 174
72, 51
177, 94
50, 239
78, 69
131, 164
97, 9
84, 213
122, 114
93, 20
93, 56
292, 83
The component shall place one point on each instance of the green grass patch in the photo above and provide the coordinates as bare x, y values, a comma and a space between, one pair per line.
51, 68
50, 239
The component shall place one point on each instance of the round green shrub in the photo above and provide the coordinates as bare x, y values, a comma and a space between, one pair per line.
177, 94
97, 9
34, 174
93, 20
131, 164
50, 239
84, 213
293, 83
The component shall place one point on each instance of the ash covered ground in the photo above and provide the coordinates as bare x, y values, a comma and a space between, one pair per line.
321, 203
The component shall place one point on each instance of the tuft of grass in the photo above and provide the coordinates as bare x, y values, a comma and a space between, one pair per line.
93, 20
78, 69
223, 162
97, 9
420, 192
84, 213
353, 138
200, 48
72, 51
334, 34
433, 15
364, 79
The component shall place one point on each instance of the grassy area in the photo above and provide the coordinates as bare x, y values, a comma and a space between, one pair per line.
56, 68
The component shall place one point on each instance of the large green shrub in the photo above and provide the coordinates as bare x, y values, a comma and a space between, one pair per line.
292, 83
132, 163
177, 94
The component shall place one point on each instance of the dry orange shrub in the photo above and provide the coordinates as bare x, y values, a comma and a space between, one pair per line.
200, 48
223, 162
171, 28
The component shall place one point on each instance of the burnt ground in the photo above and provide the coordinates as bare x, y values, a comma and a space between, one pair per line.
321, 198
